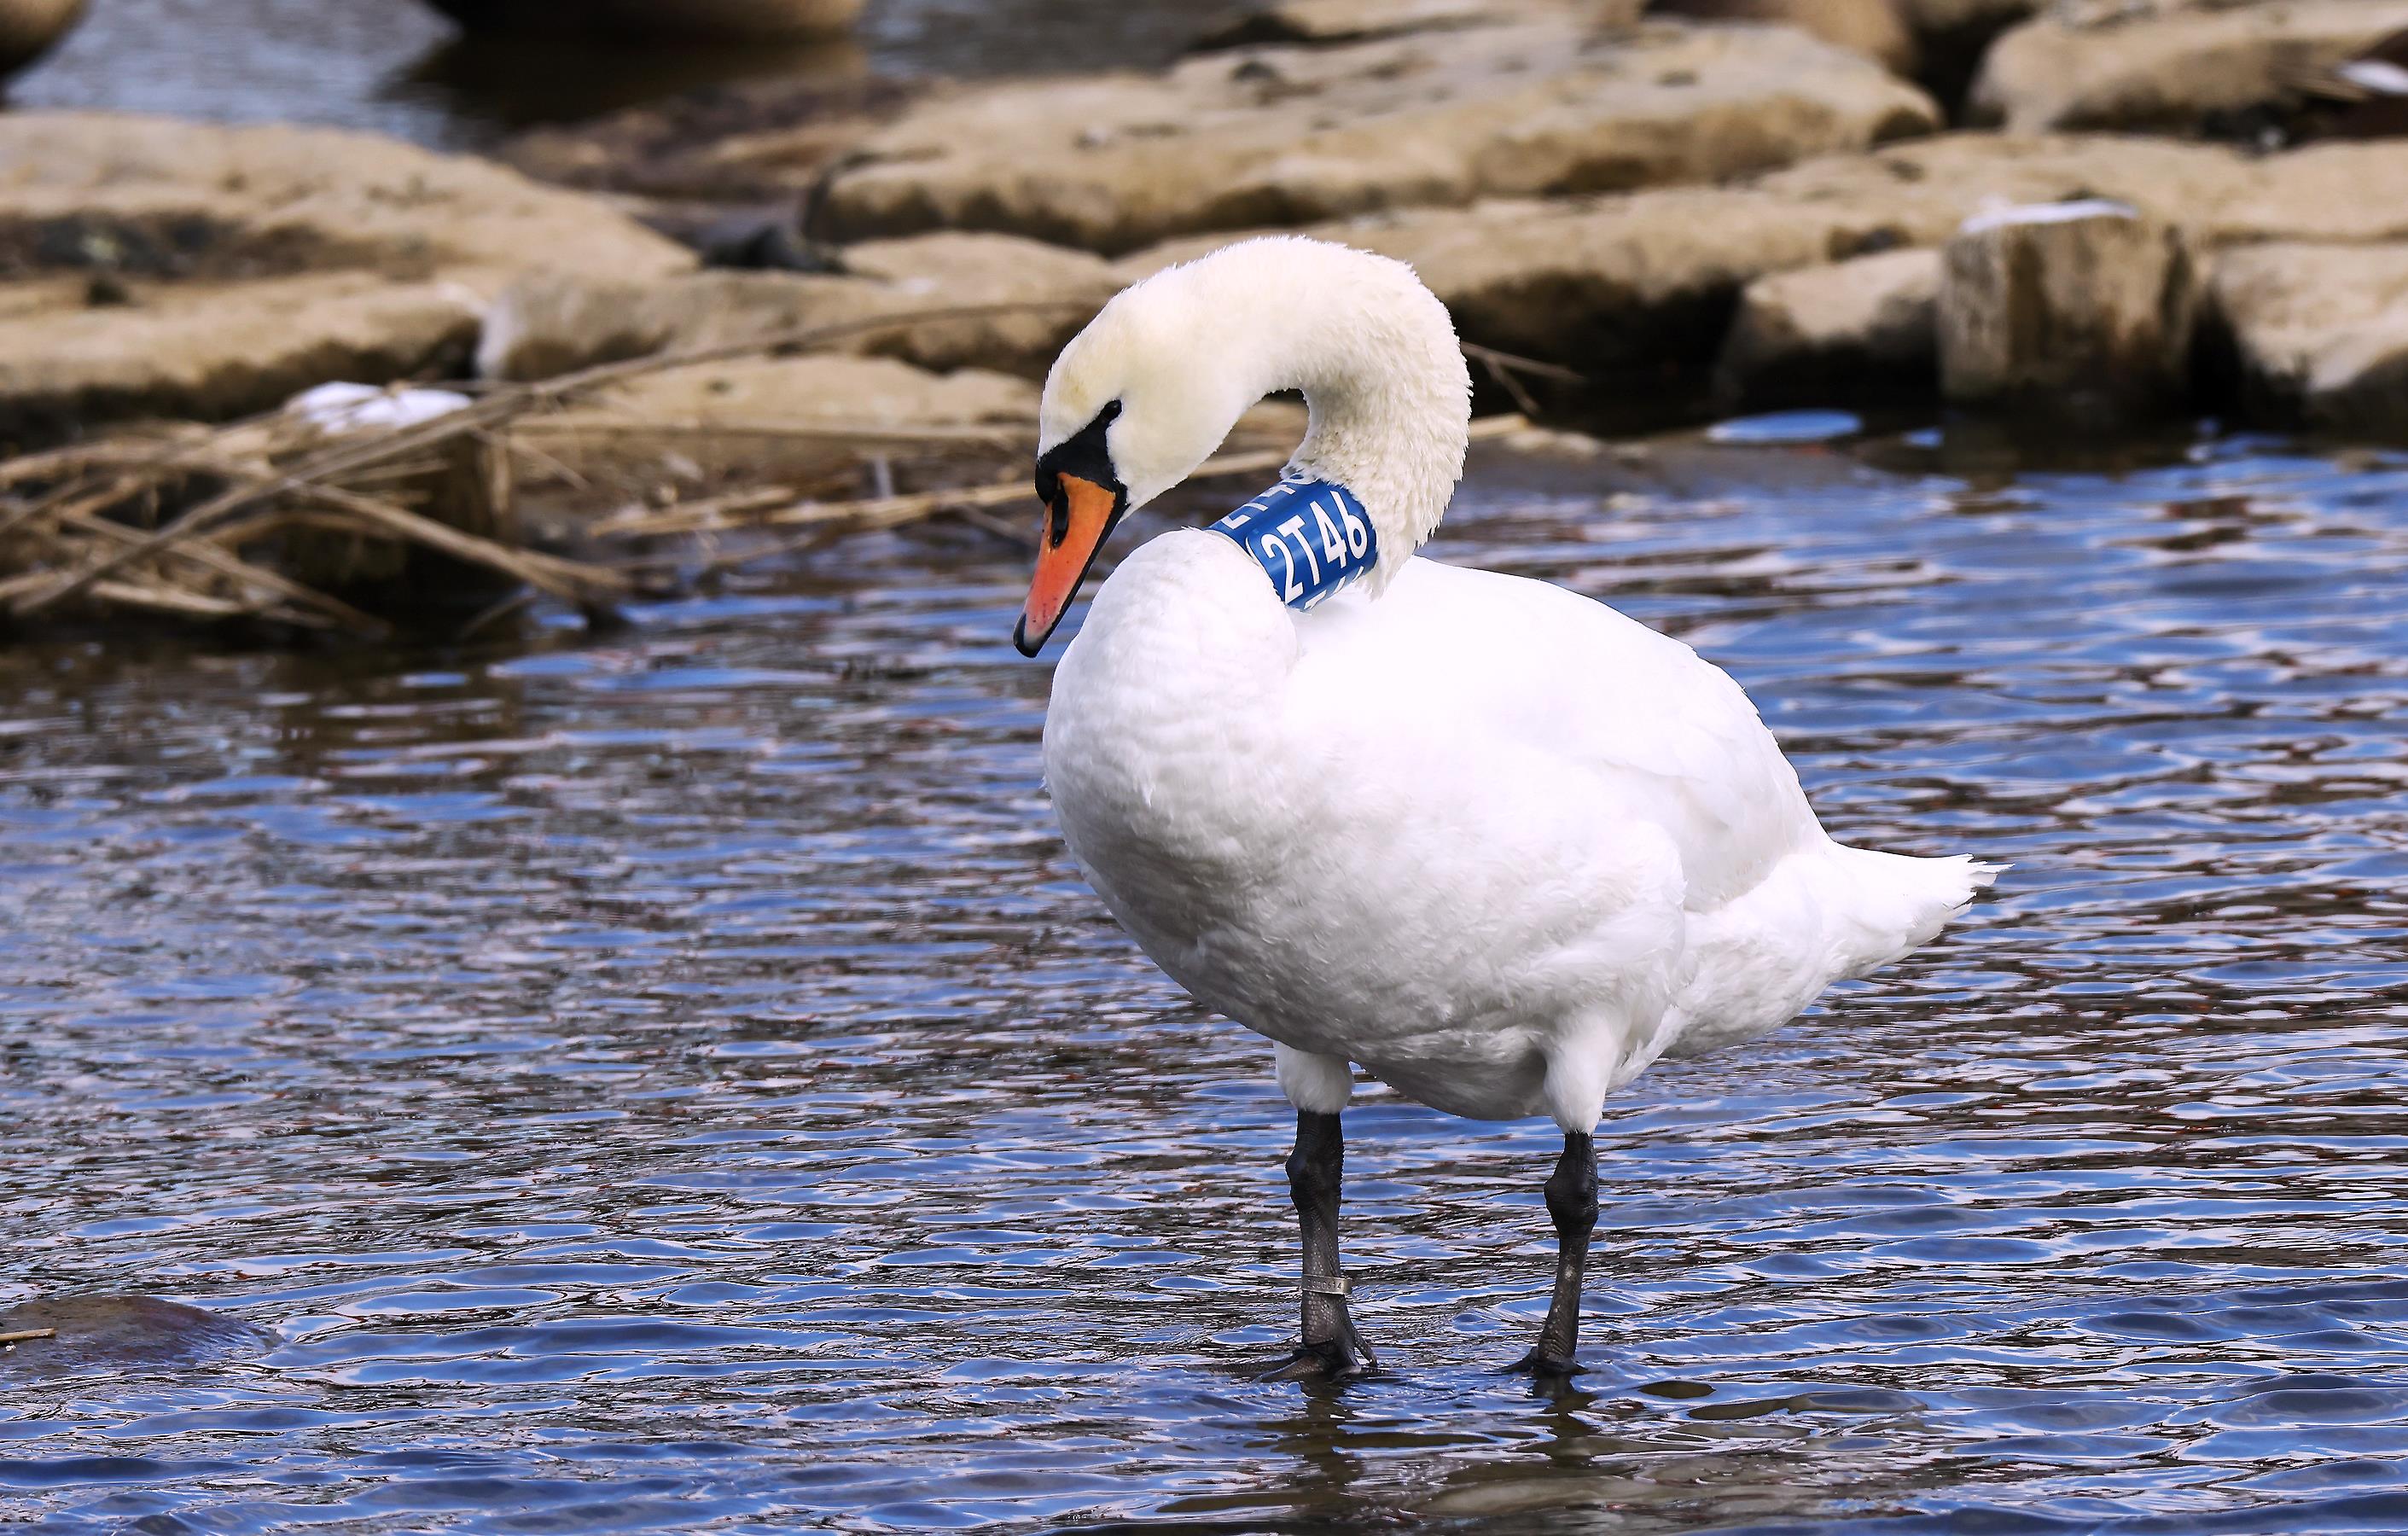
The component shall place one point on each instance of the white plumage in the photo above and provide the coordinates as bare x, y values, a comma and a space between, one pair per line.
1491, 840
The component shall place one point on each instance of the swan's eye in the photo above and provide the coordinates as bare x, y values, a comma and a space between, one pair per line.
1083, 453
1057, 509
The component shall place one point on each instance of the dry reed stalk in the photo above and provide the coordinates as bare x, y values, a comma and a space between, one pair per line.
572, 579
218, 558
183, 602
358, 451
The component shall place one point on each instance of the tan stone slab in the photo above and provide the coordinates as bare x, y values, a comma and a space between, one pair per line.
1289, 134
2167, 67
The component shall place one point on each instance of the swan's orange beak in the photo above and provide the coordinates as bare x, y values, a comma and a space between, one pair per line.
1078, 515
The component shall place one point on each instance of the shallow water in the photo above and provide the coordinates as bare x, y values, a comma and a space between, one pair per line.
395, 66
675, 1080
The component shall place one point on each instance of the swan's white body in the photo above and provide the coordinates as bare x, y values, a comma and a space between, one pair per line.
1491, 840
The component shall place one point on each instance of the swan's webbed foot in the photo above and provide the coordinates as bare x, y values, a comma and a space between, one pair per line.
1345, 1359
1544, 1367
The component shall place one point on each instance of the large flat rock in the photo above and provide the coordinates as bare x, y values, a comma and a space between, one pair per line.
155, 266
1276, 134
807, 416
552, 323
2181, 67
1875, 28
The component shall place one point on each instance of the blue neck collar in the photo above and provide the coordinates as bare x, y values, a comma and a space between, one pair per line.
1311, 536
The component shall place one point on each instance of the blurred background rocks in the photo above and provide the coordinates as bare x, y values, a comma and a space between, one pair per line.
1638, 213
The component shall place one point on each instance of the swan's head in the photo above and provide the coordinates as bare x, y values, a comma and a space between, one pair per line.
1148, 390
1134, 404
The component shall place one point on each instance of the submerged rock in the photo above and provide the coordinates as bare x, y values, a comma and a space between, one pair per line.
683, 19
2315, 334
2067, 306
1846, 331
30, 28
155, 266
2183, 67
118, 1332
1276, 135
553, 322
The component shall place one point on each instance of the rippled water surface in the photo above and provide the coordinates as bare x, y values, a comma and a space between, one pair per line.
675, 1080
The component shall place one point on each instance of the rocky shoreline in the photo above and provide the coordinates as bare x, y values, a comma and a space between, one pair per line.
1723, 214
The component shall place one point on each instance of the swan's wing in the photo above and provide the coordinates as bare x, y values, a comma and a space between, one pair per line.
1578, 720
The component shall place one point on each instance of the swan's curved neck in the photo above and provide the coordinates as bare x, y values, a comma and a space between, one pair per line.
1374, 354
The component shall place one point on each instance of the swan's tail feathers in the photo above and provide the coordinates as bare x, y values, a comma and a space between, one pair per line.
1892, 903
1826, 913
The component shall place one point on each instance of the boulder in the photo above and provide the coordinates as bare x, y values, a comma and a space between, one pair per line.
154, 267
2187, 67
1873, 28
1356, 20
30, 28
2315, 334
1841, 332
1283, 135
2077, 306
726, 21
553, 322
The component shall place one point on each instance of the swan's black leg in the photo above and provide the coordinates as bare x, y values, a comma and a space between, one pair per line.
1315, 1169
1571, 1201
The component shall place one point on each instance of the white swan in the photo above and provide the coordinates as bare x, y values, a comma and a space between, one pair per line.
1494, 841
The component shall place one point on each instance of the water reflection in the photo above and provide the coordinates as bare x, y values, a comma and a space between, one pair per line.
395, 66
675, 1079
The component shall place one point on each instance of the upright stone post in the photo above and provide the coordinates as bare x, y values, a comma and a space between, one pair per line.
2082, 307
